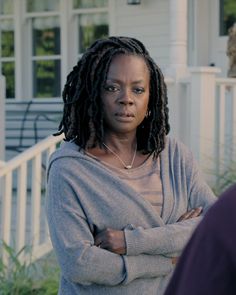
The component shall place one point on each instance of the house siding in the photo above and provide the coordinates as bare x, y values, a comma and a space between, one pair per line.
149, 23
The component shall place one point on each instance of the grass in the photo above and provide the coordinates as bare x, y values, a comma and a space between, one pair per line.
31, 278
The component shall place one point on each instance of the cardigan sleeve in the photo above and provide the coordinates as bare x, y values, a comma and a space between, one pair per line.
79, 259
168, 239
189, 191
165, 240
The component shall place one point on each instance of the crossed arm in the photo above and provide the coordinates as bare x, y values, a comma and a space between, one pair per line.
116, 240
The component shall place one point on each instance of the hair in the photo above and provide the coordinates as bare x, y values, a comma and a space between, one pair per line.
83, 116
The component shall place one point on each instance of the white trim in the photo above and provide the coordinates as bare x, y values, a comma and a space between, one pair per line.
191, 34
6, 17
42, 14
18, 49
89, 10
2, 118
204, 70
46, 57
28, 59
178, 38
64, 33
8, 59
111, 17
72, 56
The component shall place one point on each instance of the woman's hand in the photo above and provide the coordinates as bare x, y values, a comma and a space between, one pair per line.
191, 214
111, 240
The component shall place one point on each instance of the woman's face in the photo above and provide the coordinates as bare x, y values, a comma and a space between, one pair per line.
125, 96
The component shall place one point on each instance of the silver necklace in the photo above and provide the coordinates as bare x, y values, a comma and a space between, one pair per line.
123, 163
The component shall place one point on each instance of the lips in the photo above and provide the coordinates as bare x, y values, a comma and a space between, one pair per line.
124, 114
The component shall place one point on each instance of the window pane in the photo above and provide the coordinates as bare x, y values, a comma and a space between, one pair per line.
46, 36
227, 15
6, 6
89, 3
42, 5
92, 27
8, 70
47, 78
7, 38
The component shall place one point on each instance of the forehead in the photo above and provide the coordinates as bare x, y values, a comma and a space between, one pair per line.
128, 64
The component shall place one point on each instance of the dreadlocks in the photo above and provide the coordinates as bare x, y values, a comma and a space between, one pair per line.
83, 112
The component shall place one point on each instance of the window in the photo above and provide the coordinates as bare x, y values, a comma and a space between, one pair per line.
227, 15
40, 41
44, 22
7, 49
92, 21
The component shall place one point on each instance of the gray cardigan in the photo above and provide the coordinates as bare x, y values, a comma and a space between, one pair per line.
84, 196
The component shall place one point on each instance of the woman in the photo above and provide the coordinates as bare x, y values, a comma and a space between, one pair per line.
123, 198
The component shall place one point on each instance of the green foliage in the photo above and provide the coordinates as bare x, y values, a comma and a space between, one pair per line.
225, 179
21, 278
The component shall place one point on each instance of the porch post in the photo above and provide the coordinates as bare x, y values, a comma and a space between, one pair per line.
178, 39
177, 68
202, 115
2, 118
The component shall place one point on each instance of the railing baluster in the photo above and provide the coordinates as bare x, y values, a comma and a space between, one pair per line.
234, 117
222, 124
21, 206
36, 199
6, 213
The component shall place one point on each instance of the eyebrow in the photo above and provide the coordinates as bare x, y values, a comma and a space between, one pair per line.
119, 81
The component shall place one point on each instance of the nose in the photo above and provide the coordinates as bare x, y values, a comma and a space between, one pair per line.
126, 98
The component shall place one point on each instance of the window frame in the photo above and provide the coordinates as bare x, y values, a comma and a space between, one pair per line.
11, 18
69, 43
29, 17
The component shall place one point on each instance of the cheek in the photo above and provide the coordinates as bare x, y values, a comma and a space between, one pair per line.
145, 103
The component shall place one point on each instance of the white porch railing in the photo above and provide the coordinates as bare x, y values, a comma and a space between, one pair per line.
22, 193
2, 117
226, 122
206, 119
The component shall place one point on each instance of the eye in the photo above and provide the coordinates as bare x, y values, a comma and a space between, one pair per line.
139, 90
111, 88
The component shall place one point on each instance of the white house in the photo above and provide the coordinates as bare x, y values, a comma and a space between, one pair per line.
42, 40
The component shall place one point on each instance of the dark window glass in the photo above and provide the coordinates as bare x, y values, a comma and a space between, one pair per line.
7, 39
46, 36
8, 70
47, 78
92, 27
227, 15
89, 3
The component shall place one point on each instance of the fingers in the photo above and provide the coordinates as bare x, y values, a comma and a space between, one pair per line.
111, 240
196, 212
191, 214
102, 237
174, 260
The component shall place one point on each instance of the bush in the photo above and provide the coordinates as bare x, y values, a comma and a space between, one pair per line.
21, 278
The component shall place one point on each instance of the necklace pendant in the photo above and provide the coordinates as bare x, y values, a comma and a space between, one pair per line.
128, 167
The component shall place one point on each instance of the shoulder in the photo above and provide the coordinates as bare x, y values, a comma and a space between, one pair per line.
175, 149
65, 156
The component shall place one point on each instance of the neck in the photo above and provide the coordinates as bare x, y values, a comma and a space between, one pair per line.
123, 150
121, 144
